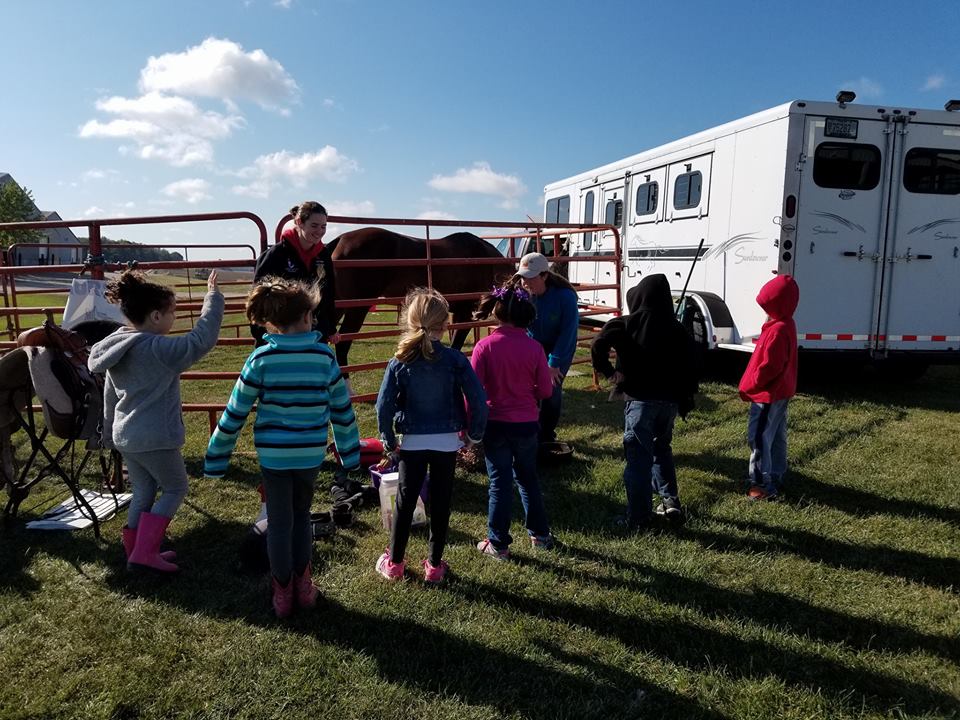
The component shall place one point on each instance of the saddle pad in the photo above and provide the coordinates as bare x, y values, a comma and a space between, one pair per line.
67, 516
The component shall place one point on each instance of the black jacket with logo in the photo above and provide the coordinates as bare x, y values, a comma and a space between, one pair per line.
282, 260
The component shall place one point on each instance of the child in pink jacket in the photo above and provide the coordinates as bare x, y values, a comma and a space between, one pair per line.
514, 372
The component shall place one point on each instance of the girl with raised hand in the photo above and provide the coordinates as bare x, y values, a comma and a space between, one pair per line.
141, 403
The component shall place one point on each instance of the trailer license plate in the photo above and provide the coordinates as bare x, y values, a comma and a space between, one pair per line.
841, 128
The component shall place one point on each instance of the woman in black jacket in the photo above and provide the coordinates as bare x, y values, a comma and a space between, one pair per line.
301, 255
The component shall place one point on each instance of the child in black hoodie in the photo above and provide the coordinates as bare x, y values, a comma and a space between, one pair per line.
657, 370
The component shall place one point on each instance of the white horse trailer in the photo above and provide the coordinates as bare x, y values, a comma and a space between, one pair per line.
861, 204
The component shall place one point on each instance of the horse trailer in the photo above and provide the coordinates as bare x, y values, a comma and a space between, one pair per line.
861, 204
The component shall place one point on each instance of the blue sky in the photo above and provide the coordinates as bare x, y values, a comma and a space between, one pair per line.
458, 110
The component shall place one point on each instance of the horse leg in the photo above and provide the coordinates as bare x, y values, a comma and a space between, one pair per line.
352, 322
461, 313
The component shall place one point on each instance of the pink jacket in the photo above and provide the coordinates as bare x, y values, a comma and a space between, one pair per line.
514, 372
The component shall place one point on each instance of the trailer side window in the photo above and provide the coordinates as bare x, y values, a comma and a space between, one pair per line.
686, 190
588, 218
846, 166
931, 170
647, 198
558, 210
613, 214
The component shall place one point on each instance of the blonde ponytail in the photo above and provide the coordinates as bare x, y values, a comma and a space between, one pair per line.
424, 311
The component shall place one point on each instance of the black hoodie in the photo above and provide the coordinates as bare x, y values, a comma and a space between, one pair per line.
658, 359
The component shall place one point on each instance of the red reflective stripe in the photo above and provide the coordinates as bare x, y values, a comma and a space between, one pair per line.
910, 337
813, 336
879, 337
845, 336
939, 338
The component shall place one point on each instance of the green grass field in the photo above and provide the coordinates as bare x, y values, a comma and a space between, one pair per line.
839, 601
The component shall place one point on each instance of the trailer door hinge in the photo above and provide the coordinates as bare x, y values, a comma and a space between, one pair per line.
800, 161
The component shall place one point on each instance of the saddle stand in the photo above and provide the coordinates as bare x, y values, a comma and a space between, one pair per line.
41, 464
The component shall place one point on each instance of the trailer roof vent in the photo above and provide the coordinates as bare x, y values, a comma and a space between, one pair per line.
952, 105
846, 96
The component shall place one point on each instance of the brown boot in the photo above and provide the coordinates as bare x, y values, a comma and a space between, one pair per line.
305, 590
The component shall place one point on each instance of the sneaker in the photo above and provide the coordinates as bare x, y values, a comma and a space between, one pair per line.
389, 569
544, 542
672, 510
623, 524
435, 574
758, 492
488, 548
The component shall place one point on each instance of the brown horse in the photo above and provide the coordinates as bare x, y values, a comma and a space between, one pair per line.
354, 283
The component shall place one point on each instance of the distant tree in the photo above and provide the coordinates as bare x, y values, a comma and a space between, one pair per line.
138, 251
16, 205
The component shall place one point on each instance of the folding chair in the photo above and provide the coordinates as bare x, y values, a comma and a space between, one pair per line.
68, 463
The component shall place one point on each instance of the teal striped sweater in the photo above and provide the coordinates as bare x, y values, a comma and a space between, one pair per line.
299, 391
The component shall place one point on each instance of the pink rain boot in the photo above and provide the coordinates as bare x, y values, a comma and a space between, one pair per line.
146, 549
282, 598
305, 591
129, 538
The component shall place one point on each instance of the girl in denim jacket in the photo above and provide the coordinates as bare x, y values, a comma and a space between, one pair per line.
422, 399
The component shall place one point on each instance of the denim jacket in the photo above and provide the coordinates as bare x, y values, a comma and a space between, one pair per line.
426, 396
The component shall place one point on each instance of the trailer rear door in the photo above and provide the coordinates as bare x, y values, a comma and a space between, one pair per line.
841, 223
920, 307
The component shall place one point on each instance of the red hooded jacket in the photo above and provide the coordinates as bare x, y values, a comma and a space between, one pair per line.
771, 374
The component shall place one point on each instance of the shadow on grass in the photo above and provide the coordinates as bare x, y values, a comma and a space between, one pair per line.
408, 653
705, 649
755, 607
937, 572
565, 684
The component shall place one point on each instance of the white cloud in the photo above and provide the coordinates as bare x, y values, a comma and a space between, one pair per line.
93, 211
346, 208
191, 190
285, 4
164, 127
269, 170
97, 174
164, 124
436, 215
221, 69
934, 82
483, 180
865, 88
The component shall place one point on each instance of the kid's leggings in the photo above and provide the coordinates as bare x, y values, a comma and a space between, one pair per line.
149, 471
413, 470
289, 541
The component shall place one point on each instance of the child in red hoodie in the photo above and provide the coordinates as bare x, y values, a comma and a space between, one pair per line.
768, 383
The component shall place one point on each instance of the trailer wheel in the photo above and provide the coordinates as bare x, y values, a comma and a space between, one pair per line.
691, 317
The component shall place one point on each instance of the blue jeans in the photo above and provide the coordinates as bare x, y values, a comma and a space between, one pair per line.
289, 494
647, 434
550, 414
767, 437
510, 456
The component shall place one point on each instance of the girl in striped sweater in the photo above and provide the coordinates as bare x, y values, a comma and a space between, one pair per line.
296, 382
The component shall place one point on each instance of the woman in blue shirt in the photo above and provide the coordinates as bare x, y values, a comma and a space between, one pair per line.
555, 328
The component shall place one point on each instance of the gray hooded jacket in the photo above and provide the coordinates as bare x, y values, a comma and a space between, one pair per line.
141, 398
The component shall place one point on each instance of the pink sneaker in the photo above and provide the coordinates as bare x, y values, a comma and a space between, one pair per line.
435, 574
389, 569
487, 548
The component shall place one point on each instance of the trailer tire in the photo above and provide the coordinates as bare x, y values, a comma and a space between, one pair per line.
693, 321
